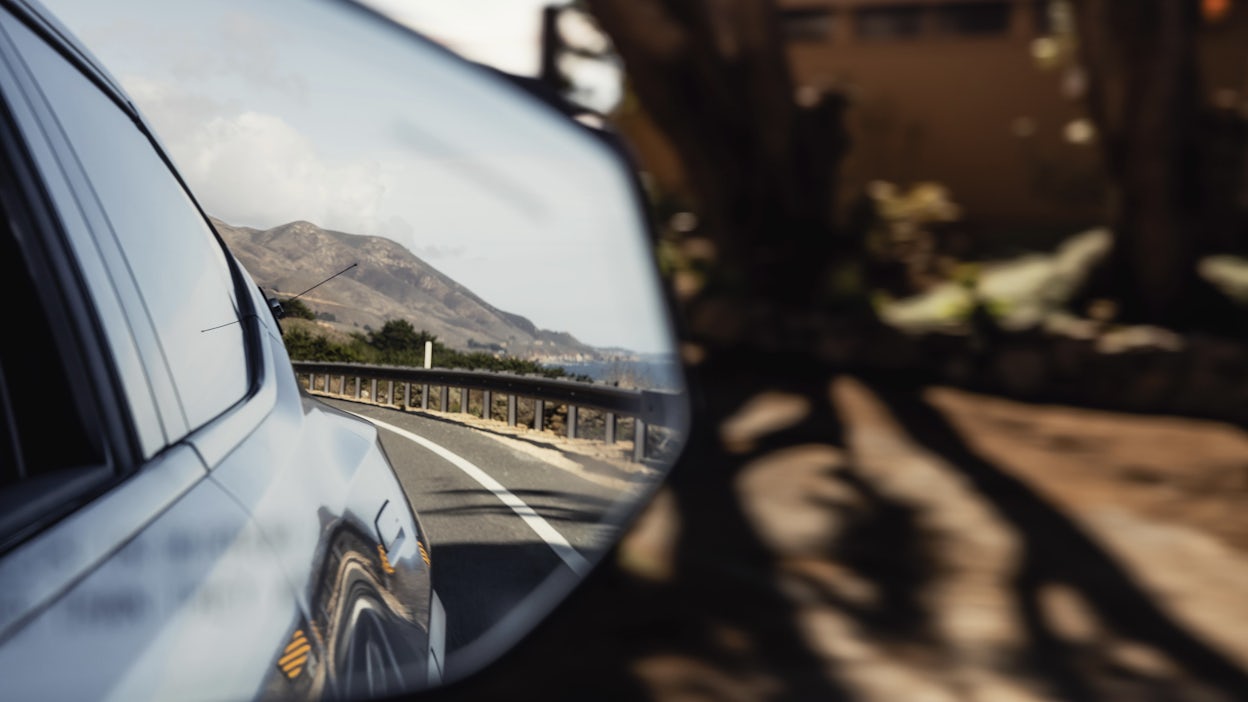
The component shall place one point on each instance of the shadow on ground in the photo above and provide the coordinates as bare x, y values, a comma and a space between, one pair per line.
722, 625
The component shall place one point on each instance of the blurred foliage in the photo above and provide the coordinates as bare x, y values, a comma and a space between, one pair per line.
296, 309
1059, 49
900, 231
924, 203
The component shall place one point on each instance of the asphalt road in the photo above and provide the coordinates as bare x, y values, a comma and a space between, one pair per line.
486, 557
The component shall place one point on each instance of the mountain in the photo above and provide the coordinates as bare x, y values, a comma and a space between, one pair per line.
390, 283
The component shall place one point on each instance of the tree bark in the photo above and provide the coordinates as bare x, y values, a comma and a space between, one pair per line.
761, 156
1143, 96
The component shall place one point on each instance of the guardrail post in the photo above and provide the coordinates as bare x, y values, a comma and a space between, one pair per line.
639, 440
644, 408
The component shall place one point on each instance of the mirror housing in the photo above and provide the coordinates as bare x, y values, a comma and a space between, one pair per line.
276, 308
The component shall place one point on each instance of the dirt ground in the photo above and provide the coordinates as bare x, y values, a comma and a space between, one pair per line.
1168, 470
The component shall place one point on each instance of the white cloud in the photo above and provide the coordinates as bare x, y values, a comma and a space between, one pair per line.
174, 114
254, 168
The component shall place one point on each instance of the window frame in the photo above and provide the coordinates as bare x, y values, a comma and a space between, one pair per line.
75, 328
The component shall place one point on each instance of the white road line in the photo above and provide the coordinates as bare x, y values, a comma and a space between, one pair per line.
553, 538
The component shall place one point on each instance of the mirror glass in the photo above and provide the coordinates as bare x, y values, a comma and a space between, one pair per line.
407, 207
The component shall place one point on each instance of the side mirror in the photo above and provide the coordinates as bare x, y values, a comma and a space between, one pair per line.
506, 336
275, 307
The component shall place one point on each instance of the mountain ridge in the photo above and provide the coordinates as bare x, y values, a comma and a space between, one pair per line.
391, 282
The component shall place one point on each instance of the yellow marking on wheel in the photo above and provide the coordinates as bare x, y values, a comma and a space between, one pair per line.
424, 555
296, 654
301, 651
297, 663
297, 642
385, 560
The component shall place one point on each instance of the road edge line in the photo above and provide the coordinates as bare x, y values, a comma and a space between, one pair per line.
556, 541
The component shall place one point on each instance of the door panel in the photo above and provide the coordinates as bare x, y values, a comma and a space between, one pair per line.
194, 607
45, 566
316, 482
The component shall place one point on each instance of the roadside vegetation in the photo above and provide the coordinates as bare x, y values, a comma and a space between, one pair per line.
398, 343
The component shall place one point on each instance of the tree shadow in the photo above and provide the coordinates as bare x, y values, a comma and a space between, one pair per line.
725, 576
884, 544
724, 616
719, 622
1056, 550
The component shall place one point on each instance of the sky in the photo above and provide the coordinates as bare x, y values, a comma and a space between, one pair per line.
299, 110
502, 33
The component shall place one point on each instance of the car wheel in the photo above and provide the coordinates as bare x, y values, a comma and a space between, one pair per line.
372, 667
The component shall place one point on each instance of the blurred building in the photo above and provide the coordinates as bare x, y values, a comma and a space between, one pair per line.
953, 91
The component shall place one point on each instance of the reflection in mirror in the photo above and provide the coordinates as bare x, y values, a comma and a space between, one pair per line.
455, 263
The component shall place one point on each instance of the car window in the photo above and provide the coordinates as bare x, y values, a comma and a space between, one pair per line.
30, 127
41, 385
176, 262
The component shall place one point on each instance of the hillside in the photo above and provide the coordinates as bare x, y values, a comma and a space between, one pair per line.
390, 283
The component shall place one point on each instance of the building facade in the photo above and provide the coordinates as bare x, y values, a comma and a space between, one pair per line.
954, 92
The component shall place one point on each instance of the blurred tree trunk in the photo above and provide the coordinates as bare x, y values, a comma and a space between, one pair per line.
760, 153
761, 157
1143, 94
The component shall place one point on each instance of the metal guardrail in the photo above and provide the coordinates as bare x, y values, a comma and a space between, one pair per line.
646, 407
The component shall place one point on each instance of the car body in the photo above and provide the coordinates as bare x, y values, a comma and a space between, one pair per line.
179, 521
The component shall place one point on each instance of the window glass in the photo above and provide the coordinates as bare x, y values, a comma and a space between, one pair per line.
41, 386
895, 22
813, 24
972, 18
176, 262
32, 369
